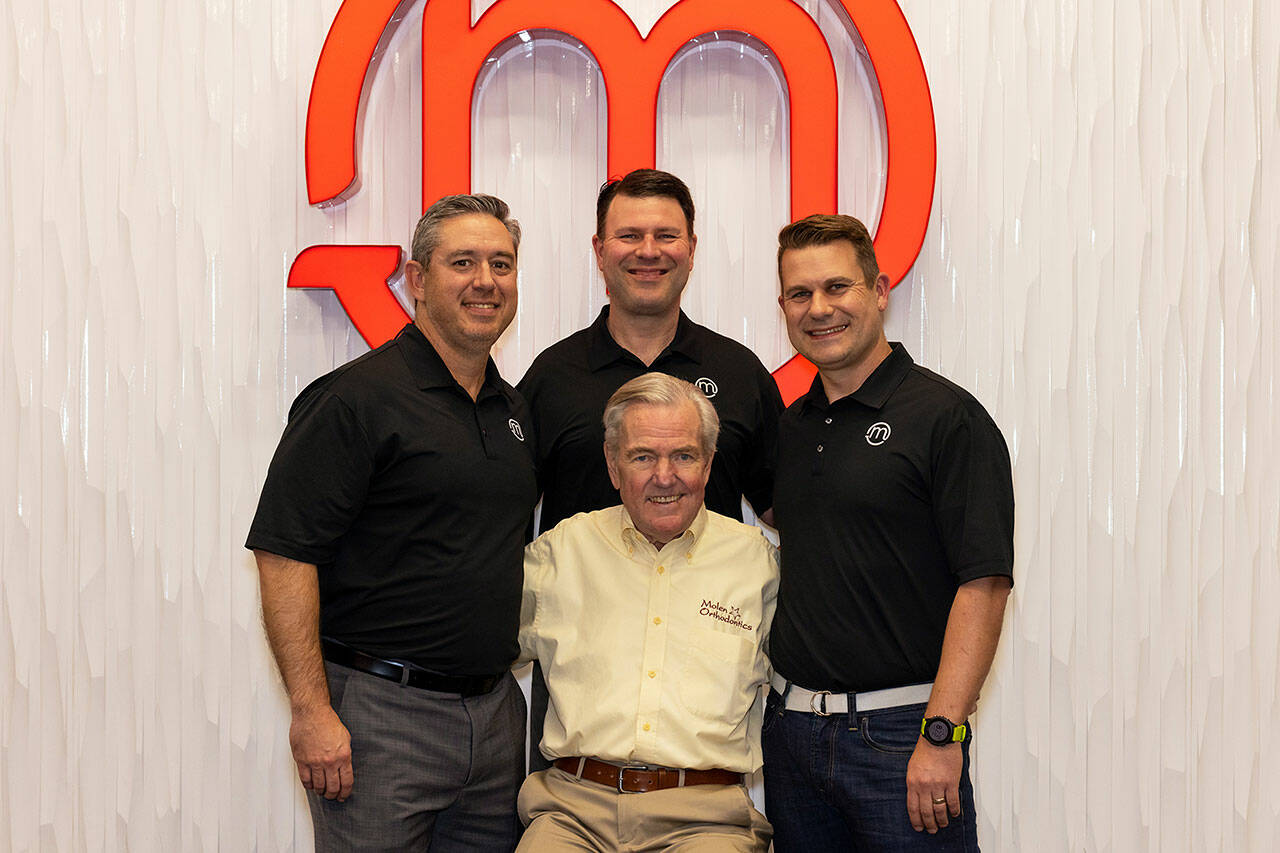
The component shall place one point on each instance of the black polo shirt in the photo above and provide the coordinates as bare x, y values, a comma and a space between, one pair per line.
568, 385
412, 501
886, 501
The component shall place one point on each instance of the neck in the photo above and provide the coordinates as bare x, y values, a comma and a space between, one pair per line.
643, 336
466, 365
844, 381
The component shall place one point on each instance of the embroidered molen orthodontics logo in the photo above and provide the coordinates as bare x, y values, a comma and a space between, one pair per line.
454, 50
728, 615
515, 429
878, 433
707, 386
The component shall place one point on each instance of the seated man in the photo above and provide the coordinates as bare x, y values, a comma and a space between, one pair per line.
650, 621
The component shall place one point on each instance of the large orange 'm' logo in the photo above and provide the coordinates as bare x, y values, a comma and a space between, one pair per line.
632, 66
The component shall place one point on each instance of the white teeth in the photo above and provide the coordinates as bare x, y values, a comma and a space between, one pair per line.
665, 499
822, 333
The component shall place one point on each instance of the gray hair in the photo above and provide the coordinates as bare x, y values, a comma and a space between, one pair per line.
659, 389
426, 235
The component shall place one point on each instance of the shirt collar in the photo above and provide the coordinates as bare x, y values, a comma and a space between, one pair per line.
631, 536
875, 389
603, 350
429, 369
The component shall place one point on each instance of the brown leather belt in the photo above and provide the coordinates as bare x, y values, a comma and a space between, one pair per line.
640, 778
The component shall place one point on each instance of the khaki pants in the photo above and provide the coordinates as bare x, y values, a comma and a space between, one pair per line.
566, 813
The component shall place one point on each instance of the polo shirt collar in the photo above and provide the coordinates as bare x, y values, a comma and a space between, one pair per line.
429, 369
876, 389
603, 350
630, 535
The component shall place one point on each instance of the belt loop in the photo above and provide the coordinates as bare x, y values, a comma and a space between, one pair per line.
404, 675
582, 766
786, 691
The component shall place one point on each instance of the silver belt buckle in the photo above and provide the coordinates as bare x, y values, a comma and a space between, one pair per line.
814, 708
639, 768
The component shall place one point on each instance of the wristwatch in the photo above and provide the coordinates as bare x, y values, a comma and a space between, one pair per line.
940, 731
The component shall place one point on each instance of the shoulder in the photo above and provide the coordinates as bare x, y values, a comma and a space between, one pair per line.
725, 530
367, 377
566, 355
724, 348
949, 400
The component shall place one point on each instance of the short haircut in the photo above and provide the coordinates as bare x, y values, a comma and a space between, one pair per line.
426, 236
659, 389
644, 183
823, 228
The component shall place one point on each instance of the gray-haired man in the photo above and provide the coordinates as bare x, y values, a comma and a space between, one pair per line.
650, 619
388, 540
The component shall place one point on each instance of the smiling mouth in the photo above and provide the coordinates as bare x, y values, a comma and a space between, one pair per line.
481, 306
828, 332
664, 499
647, 273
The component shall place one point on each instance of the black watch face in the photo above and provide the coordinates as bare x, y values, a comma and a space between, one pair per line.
938, 731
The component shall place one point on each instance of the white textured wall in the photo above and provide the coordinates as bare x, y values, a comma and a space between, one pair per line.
1100, 269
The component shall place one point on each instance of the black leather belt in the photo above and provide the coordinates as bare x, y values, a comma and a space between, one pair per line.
407, 674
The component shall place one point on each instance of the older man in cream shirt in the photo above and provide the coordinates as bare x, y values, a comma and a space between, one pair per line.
650, 621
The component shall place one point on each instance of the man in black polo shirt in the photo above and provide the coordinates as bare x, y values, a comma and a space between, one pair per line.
894, 504
644, 245
389, 541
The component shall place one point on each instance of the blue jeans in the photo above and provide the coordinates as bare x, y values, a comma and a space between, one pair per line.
839, 783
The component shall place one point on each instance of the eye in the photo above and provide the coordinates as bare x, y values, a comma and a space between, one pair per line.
462, 263
668, 238
798, 297
685, 458
628, 237
501, 266
837, 287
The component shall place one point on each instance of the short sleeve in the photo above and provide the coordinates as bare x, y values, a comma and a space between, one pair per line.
973, 495
317, 482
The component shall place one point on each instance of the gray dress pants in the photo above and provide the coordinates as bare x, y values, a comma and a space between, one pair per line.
433, 771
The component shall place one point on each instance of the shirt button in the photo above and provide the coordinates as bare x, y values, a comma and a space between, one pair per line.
661, 569
645, 727
828, 420
819, 448
657, 620
653, 673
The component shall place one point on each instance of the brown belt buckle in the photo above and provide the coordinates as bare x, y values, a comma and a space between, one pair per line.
814, 708
622, 771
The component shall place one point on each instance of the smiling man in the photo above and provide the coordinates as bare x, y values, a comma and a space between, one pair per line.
894, 504
389, 538
649, 620
644, 246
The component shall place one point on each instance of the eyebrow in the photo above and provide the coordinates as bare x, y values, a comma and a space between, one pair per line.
474, 253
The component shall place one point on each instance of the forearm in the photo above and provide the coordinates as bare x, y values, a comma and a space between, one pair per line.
291, 613
968, 647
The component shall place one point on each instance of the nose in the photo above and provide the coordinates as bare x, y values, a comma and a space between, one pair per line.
664, 473
648, 247
819, 304
484, 276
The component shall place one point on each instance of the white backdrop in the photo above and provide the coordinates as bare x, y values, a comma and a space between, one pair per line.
1100, 270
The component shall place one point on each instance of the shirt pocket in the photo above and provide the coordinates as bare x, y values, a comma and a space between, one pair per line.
718, 670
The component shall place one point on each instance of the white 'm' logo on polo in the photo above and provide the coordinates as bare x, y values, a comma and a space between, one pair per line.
515, 429
707, 386
878, 433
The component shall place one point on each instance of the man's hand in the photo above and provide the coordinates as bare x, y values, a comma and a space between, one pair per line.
933, 773
322, 749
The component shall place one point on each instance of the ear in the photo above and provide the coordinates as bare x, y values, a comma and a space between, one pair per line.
597, 247
613, 468
882, 291
413, 275
693, 247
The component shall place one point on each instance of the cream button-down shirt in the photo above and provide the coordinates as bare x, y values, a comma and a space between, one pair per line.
651, 656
